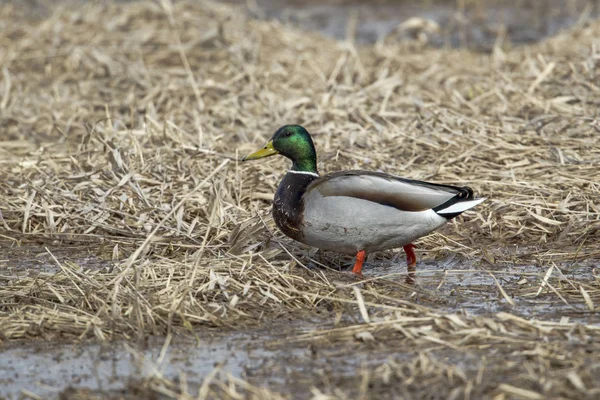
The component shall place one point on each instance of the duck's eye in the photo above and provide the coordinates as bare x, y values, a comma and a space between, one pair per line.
288, 134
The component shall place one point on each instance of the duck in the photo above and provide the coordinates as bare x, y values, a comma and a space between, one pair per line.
356, 212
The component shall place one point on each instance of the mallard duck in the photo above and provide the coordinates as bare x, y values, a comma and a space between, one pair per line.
355, 212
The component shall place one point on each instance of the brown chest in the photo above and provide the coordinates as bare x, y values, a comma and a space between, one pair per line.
288, 218
288, 206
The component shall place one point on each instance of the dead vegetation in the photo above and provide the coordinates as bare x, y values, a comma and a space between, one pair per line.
121, 126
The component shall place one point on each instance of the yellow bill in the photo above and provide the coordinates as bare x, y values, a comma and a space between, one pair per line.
266, 151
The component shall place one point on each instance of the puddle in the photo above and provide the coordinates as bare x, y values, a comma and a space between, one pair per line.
107, 367
460, 286
476, 27
47, 370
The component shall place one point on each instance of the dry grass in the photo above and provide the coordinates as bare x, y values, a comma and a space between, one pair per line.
121, 134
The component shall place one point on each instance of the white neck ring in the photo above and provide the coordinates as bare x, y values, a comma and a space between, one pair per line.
303, 173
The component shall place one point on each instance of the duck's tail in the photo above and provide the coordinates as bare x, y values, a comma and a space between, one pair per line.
458, 204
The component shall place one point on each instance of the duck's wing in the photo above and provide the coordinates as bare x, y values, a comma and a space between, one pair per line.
393, 191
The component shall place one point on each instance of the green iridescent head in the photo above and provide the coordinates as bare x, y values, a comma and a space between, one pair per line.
293, 142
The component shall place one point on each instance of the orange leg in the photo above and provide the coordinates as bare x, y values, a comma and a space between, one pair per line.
411, 263
360, 259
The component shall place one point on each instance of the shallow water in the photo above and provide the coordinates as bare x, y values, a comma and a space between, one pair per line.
269, 356
462, 286
48, 369
477, 26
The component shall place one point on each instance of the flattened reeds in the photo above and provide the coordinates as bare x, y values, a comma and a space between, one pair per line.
122, 135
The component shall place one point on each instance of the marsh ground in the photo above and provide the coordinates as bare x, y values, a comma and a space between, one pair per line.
138, 258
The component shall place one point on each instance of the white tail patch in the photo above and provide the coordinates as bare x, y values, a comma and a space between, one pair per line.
461, 206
